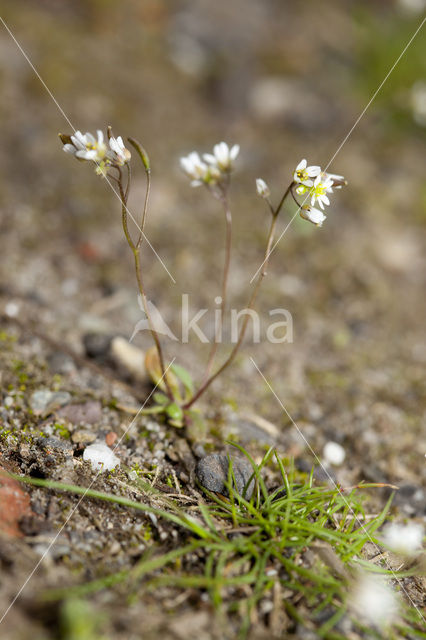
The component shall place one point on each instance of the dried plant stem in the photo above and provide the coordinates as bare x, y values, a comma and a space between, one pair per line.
228, 246
205, 385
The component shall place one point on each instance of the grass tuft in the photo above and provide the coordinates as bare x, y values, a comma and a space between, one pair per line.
299, 540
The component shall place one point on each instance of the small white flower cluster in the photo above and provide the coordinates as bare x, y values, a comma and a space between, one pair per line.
375, 601
213, 167
313, 182
316, 184
87, 147
404, 539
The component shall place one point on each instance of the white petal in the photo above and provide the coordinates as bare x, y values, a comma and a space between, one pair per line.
234, 151
209, 158
313, 171
302, 165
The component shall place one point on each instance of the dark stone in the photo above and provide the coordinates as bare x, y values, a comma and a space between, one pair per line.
97, 345
212, 473
56, 445
411, 499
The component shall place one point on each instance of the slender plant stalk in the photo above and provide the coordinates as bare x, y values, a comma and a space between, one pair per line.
250, 305
124, 194
228, 246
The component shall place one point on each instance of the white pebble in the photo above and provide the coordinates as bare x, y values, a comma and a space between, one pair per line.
334, 453
101, 457
12, 309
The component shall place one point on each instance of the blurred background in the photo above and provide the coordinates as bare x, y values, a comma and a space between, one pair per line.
285, 80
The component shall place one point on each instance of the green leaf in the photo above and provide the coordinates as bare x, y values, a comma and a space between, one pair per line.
160, 398
184, 376
176, 423
174, 411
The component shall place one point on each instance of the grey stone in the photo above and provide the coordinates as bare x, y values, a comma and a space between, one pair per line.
411, 499
212, 473
87, 412
61, 363
44, 401
56, 445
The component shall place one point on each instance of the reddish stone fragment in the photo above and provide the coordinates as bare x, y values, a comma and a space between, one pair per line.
14, 505
110, 438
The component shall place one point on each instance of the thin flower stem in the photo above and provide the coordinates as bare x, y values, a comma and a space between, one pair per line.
204, 386
145, 207
295, 199
129, 177
124, 210
228, 246
286, 192
154, 334
136, 255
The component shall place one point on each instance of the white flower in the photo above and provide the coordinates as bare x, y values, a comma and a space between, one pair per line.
199, 171
262, 188
333, 452
101, 457
313, 215
406, 540
195, 169
118, 153
374, 600
303, 173
223, 157
337, 181
319, 190
86, 146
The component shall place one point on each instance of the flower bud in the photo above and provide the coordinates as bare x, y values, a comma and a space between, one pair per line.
262, 188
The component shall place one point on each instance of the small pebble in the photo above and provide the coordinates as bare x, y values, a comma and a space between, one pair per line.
45, 401
12, 309
82, 436
129, 357
110, 438
212, 472
334, 453
61, 363
101, 457
87, 412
